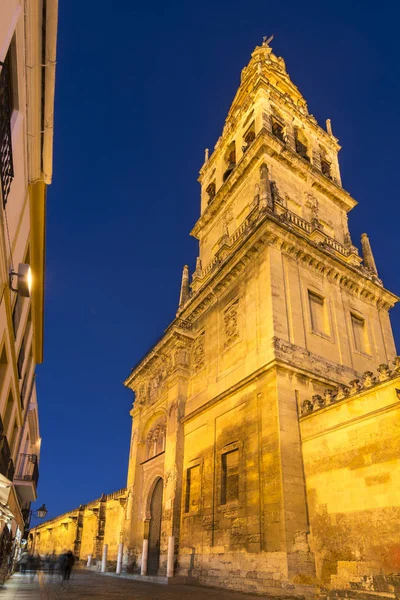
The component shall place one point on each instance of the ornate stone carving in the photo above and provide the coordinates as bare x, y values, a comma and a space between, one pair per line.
329, 397
343, 392
181, 356
141, 394
155, 386
306, 407
155, 440
171, 475
355, 386
384, 372
312, 204
198, 352
368, 379
231, 322
318, 401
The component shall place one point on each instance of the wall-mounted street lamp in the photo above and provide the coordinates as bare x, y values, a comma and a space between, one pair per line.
41, 512
24, 275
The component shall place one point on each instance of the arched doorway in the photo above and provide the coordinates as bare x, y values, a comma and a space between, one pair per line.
155, 528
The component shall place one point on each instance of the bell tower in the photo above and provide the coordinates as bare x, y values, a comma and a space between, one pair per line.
274, 162
281, 308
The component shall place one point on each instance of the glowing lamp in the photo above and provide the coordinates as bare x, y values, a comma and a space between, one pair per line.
24, 275
41, 512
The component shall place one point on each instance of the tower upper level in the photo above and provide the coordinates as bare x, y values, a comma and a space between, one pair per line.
269, 123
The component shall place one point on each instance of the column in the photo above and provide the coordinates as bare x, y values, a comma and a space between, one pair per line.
119, 558
145, 552
171, 556
104, 559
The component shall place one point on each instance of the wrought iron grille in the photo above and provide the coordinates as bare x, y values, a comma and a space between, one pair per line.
6, 158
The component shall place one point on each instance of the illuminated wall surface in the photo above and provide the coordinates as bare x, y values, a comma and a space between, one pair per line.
269, 408
28, 34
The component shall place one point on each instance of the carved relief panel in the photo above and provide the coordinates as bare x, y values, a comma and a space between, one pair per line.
155, 439
231, 323
198, 361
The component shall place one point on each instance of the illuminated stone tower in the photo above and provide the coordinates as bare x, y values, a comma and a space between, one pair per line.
281, 308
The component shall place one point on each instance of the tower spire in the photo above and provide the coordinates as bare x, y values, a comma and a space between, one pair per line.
185, 290
368, 257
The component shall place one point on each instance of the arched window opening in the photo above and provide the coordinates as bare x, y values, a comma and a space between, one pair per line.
249, 137
326, 166
155, 441
230, 160
211, 190
301, 145
278, 129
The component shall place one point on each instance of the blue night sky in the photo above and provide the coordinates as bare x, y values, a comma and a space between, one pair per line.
142, 89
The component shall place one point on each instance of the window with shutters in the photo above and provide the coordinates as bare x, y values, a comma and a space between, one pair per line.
6, 109
359, 333
230, 476
3, 365
193, 485
318, 314
17, 313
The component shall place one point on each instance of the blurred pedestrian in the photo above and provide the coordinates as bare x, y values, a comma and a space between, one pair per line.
61, 562
52, 563
67, 564
23, 562
33, 565
47, 562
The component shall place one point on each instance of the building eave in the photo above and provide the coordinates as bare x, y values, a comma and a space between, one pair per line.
37, 198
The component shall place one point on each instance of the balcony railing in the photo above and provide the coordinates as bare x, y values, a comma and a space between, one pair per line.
6, 158
27, 469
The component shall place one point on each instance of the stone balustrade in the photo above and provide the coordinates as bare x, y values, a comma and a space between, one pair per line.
290, 219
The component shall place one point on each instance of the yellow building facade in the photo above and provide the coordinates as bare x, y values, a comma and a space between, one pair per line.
265, 441
28, 32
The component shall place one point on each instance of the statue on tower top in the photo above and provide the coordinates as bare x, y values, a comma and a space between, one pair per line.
267, 40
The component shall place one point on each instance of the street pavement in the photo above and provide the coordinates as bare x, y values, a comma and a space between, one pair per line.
88, 585
20, 587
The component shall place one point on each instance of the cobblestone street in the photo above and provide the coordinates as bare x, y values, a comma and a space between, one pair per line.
85, 585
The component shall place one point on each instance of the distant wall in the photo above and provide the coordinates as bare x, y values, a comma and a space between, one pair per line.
84, 530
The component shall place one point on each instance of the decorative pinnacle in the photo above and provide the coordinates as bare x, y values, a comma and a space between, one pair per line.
329, 127
185, 290
368, 257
